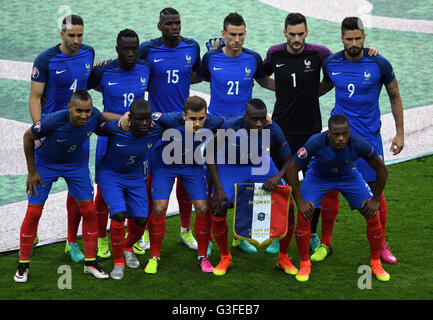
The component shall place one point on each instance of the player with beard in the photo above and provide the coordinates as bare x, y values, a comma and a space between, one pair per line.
358, 80
57, 73
296, 66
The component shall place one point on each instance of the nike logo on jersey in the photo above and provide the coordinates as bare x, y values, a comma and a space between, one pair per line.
59, 72
279, 65
216, 69
334, 73
61, 140
112, 83
121, 145
157, 60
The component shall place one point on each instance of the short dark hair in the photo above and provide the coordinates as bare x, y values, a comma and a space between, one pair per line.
352, 23
167, 12
73, 20
234, 19
295, 18
195, 104
126, 33
140, 106
337, 119
81, 95
256, 104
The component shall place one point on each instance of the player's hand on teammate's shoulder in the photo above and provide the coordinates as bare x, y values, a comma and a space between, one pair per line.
103, 62
372, 51
124, 121
215, 43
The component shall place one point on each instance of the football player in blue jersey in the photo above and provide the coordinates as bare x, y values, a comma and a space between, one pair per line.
174, 60
331, 158
121, 176
61, 155
57, 73
120, 81
181, 161
231, 70
358, 79
237, 162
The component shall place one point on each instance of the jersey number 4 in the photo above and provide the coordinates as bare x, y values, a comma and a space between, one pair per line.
74, 86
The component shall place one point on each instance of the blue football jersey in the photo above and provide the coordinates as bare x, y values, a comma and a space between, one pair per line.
231, 79
241, 145
126, 153
324, 161
120, 87
62, 75
64, 142
171, 68
357, 89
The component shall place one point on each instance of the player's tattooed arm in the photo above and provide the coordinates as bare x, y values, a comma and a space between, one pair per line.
397, 143
36, 100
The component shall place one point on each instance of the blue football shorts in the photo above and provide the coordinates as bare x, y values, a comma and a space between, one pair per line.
123, 192
352, 187
76, 177
192, 176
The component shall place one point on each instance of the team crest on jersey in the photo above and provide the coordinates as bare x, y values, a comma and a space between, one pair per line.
302, 153
367, 75
88, 66
149, 146
307, 63
188, 58
37, 126
156, 115
35, 73
89, 133
143, 81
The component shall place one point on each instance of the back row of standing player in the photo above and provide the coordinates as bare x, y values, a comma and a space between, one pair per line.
171, 63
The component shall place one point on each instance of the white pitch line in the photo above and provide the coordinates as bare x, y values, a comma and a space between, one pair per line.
336, 11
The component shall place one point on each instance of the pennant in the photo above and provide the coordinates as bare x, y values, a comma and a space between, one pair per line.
260, 216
